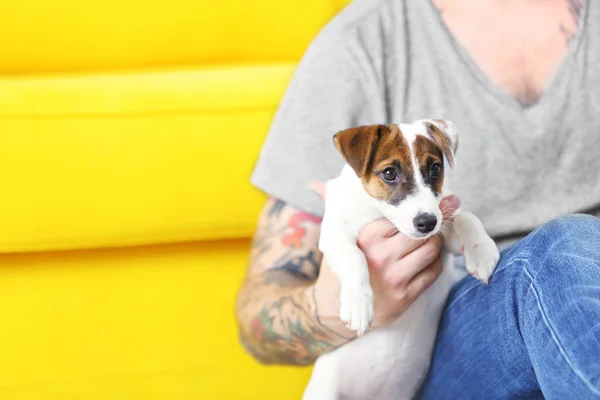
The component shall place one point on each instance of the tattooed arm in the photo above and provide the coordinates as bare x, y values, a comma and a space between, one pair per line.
276, 309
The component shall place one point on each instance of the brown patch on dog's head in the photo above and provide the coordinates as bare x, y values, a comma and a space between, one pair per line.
358, 145
443, 133
380, 157
430, 159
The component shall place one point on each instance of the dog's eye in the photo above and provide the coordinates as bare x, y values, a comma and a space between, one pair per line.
389, 174
435, 170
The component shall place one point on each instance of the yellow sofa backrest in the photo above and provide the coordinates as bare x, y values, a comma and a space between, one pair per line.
70, 35
161, 152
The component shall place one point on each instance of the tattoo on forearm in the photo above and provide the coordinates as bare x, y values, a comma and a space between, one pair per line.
287, 233
263, 238
294, 239
278, 317
276, 208
284, 332
304, 266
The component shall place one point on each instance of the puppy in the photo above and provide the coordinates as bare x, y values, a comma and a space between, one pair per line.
396, 172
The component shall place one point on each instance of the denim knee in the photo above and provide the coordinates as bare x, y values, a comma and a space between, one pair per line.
572, 222
577, 234
572, 229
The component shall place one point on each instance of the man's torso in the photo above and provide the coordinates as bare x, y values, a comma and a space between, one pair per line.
519, 165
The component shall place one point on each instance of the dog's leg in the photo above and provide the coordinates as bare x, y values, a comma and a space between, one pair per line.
468, 237
349, 264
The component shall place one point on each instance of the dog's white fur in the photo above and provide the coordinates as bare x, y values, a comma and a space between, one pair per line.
389, 362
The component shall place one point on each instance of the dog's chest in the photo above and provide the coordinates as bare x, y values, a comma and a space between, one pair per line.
390, 362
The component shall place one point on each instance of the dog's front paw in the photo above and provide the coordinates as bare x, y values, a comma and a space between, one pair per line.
356, 307
481, 259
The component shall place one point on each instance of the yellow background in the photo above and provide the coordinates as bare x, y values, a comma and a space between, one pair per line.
128, 131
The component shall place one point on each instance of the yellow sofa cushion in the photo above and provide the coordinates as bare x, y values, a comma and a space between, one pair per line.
68, 35
94, 161
139, 323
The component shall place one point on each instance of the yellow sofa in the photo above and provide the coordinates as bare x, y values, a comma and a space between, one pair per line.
128, 131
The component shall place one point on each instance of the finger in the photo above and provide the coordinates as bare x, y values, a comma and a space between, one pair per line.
379, 230
403, 271
423, 280
449, 205
382, 252
319, 188
406, 245
376, 230
380, 249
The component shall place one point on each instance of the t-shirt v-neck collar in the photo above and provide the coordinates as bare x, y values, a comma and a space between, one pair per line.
501, 96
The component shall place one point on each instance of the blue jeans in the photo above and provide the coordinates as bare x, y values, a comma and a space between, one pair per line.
534, 332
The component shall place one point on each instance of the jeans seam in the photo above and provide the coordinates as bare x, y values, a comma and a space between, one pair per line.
513, 261
554, 337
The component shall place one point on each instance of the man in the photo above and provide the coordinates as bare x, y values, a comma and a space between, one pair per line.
521, 80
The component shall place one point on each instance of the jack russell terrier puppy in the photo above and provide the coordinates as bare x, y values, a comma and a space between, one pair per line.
396, 172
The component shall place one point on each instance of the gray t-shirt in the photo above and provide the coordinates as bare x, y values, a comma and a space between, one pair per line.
390, 61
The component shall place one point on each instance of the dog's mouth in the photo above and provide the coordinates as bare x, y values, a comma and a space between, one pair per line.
394, 230
422, 225
423, 236
419, 220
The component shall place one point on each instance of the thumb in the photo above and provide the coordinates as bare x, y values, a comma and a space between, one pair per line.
319, 188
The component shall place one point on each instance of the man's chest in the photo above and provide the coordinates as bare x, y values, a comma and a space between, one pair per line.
517, 45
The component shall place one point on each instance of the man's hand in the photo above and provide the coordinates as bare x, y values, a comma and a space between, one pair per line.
401, 269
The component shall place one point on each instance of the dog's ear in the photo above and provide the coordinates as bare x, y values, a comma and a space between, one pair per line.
358, 146
445, 136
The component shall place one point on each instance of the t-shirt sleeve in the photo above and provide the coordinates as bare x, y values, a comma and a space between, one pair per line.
336, 86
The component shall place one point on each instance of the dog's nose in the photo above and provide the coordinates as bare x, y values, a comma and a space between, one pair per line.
425, 222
